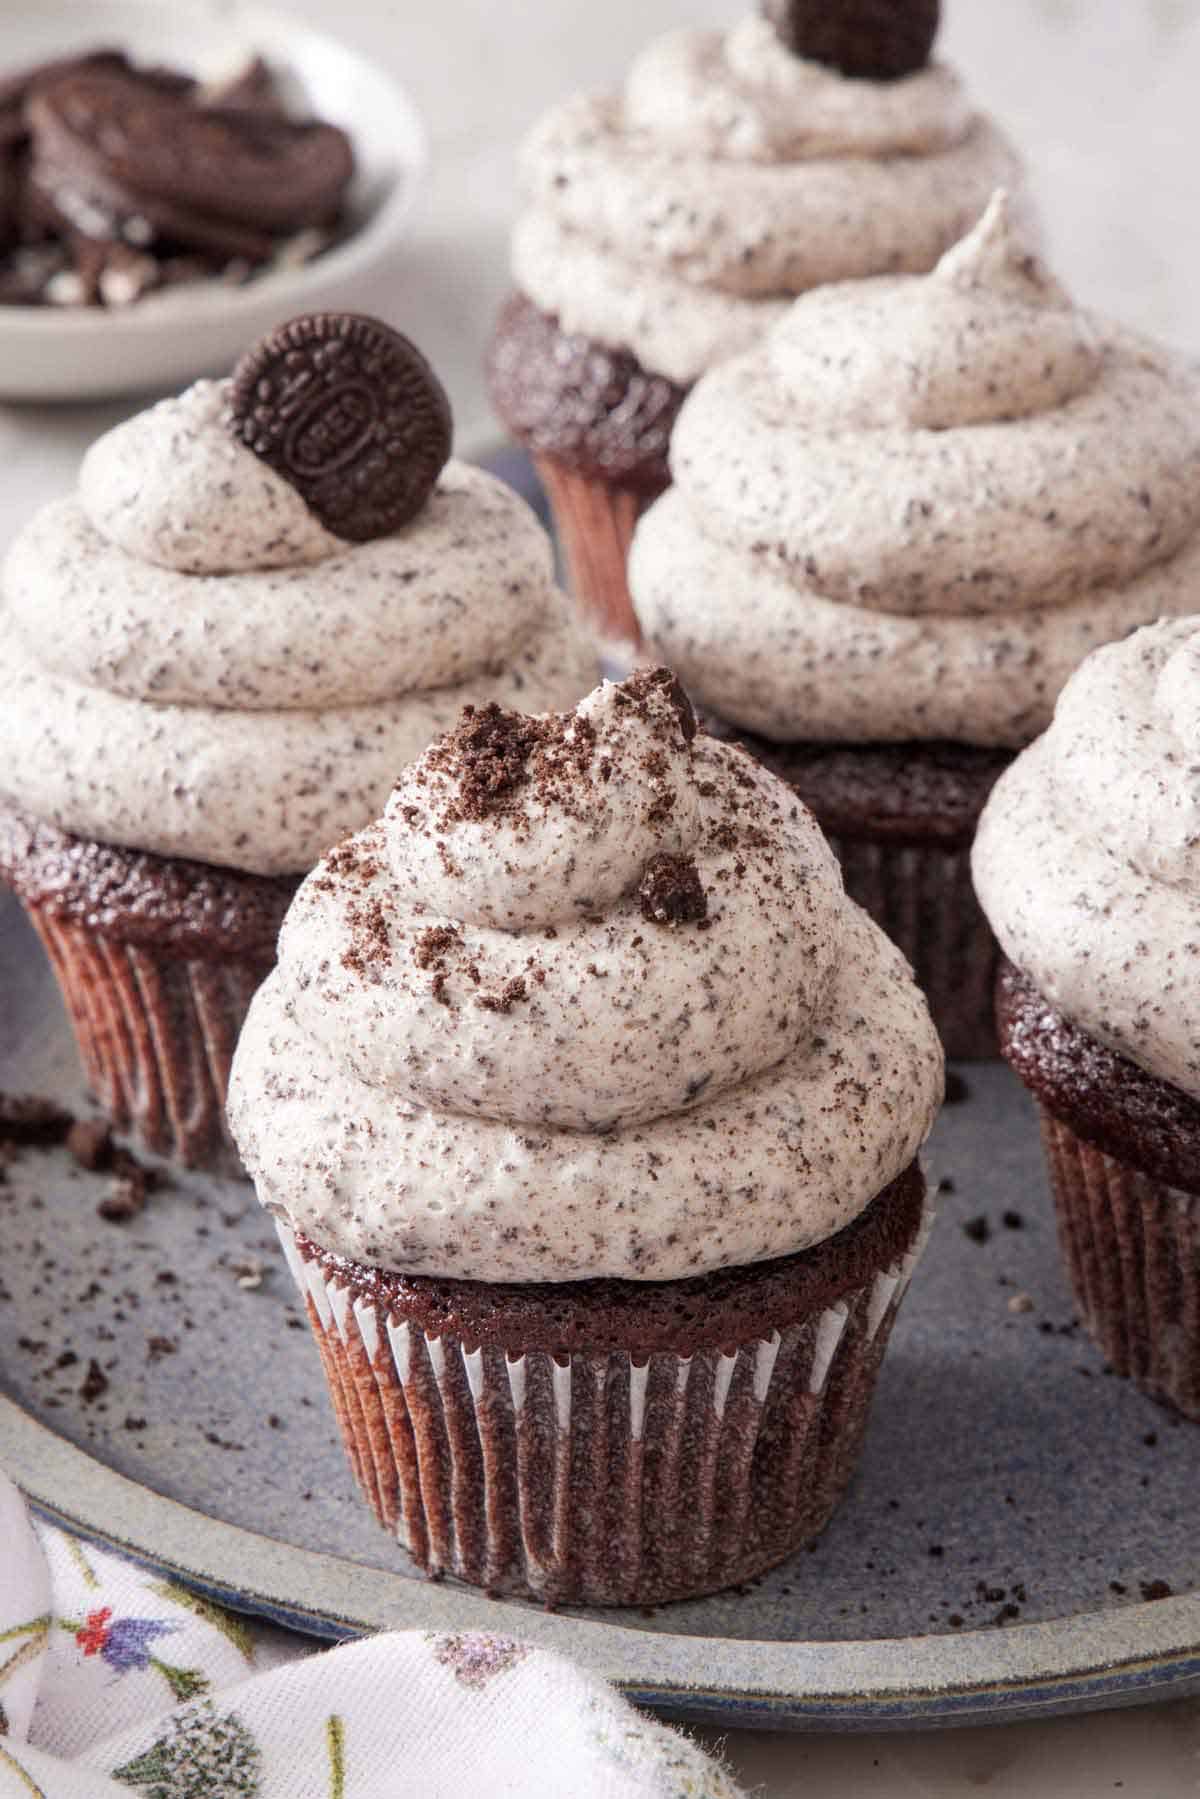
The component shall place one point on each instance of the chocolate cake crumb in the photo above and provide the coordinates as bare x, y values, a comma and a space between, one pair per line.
506, 999
671, 892
90, 1142
646, 681
1013, 1221
369, 940
977, 1229
487, 754
433, 945
956, 1088
125, 1198
157, 1347
95, 1382
1155, 1589
27, 1118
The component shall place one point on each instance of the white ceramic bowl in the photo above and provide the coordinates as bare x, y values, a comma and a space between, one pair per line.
167, 339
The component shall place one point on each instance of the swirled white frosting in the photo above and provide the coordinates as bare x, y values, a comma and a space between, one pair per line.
919, 502
675, 219
191, 664
1087, 858
482, 1056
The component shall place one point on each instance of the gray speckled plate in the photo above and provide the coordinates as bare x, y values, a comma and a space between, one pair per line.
990, 1560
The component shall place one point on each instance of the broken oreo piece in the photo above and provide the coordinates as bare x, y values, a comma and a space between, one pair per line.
671, 891
127, 131
869, 40
351, 414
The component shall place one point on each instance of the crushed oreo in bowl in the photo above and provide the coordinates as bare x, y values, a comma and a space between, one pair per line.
119, 179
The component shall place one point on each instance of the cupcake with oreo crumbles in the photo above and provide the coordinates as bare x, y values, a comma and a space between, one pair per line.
665, 228
1087, 863
897, 525
266, 597
587, 1106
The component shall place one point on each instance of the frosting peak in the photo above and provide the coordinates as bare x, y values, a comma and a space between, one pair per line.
512, 821
172, 487
988, 336
996, 256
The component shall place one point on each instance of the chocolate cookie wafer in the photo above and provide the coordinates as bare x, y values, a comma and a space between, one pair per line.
350, 413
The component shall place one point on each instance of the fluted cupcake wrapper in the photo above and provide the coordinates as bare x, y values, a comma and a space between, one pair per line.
601, 1479
1131, 1244
156, 1033
922, 896
594, 521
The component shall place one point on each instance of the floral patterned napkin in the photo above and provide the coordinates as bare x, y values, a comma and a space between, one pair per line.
115, 1682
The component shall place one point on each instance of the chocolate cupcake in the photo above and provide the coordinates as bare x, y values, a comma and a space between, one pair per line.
266, 596
665, 228
601, 1233
897, 525
1087, 863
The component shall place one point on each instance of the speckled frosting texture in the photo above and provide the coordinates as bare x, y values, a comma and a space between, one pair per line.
588, 1001
191, 664
915, 507
1087, 860
674, 220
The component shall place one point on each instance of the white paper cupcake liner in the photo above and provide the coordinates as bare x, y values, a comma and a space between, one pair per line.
599, 1478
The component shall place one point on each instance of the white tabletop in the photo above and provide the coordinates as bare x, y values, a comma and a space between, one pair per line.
1104, 98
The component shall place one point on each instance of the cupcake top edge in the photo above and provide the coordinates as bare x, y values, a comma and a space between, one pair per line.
1087, 859
588, 1000
267, 594
918, 501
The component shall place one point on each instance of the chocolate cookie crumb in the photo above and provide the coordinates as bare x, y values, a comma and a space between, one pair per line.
670, 891
977, 1229
95, 1382
1155, 1589
1012, 1221
956, 1088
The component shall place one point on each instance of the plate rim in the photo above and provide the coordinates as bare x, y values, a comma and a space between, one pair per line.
1145, 1651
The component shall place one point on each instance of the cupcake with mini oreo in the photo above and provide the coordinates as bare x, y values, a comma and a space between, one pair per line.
666, 227
265, 597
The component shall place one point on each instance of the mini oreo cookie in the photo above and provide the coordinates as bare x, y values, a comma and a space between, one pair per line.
869, 40
351, 414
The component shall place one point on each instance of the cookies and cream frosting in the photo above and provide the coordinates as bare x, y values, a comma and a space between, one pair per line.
1087, 858
919, 502
191, 664
588, 1000
676, 218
